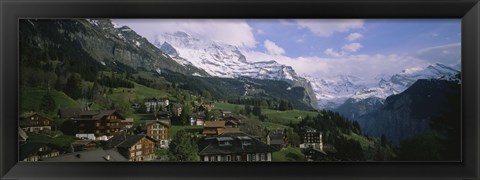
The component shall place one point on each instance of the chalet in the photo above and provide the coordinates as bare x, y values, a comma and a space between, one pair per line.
208, 106
232, 118
83, 145
159, 130
137, 148
314, 154
95, 125
231, 124
215, 128
175, 108
33, 122
127, 123
234, 147
94, 155
154, 104
36, 152
311, 137
197, 119
277, 139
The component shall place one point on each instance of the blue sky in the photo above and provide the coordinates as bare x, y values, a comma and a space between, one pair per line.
320, 47
378, 36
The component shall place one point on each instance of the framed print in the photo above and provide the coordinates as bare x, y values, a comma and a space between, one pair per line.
240, 89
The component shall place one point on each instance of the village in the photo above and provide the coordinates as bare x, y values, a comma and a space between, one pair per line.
106, 135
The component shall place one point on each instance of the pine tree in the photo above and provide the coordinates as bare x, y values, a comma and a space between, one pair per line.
47, 105
73, 87
183, 147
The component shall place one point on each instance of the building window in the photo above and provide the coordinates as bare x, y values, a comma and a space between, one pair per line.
132, 154
213, 158
254, 156
262, 157
229, 158
97, 124
163, 142
138, 146
239, 158
138, 153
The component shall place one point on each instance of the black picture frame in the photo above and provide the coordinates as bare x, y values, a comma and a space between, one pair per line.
467, 10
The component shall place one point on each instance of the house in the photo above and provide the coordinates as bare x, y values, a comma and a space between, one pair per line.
232, 118
231, 124
215, 128
175, 108
94, 155
83, 145
154, 104
197, 119
208, 106
36, 152
95, 125
33, 122
127, 123
314, 154
277, 139
234, 147
138, 148
311, 137
159, 130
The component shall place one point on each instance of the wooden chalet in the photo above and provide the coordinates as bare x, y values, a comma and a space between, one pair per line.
159, 130
94, 125
277, 139
234, 147
137, 148
33, 122
36, 151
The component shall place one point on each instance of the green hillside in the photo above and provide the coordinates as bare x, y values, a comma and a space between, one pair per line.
31, 97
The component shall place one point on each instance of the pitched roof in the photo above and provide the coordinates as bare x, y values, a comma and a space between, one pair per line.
132, 140
229, 130
94, 155
69, 112
214, 124
165, 122
239, 142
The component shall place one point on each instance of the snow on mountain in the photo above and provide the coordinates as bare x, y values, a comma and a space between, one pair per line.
333, 92
399, 82
220, 59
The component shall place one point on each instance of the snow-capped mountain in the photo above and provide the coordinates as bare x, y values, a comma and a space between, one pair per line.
227, 61
220, 59
334, 92
399, 82
331, 93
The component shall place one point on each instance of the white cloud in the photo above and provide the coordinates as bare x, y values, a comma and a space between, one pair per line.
448, 54
232, 31
364, 66
352, 47
273, 48
326, 27
353, 36
332, 52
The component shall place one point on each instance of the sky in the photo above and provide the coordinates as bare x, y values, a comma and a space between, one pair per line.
325, 48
